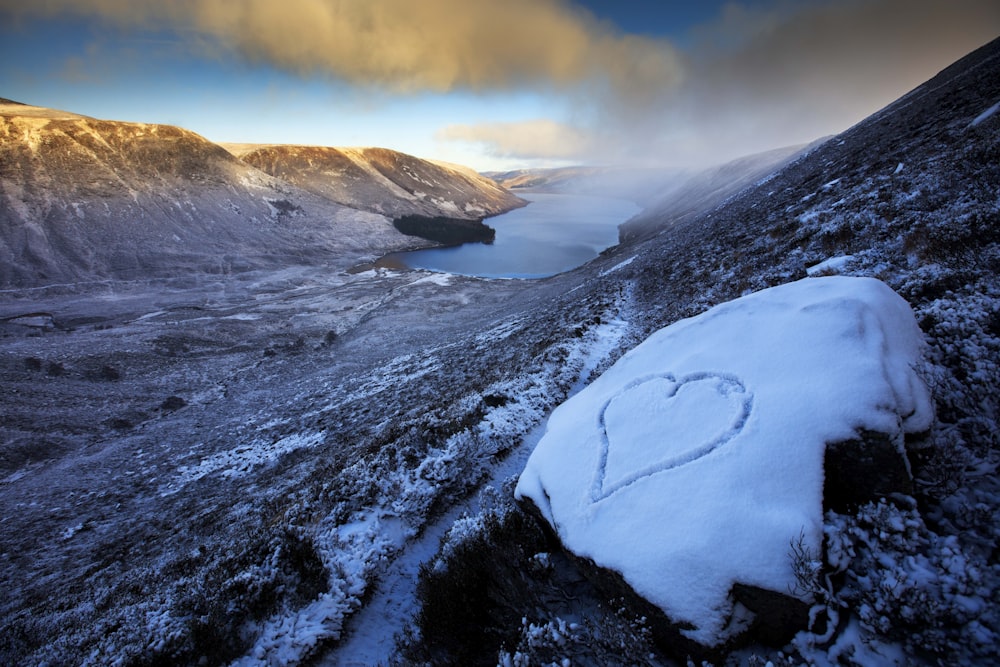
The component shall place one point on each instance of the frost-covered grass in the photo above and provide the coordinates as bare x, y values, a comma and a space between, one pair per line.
371, 404
909, 197
250, 521
923, 590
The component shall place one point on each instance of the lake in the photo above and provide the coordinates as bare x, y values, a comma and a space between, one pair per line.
552, 234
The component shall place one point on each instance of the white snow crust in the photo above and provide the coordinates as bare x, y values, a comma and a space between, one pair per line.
695, 460
984, 115
833, 265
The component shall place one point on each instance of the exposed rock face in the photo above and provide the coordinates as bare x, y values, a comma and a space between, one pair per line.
693, 464
85, 199
864, 468
383, 181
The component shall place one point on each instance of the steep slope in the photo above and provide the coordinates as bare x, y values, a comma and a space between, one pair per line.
86, 199
667, 196
382, 181
690, 195
908, 196
217, 476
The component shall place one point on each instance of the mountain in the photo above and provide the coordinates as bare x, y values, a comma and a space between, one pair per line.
638, 184
254, 470
382, 181
667, 196
907, 196
687, 196
83, 199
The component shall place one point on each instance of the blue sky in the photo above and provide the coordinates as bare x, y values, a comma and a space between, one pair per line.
486, 83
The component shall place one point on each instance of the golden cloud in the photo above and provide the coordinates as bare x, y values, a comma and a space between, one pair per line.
435, 45
532, 139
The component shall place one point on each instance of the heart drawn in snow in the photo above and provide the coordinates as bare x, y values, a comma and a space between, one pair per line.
659, 423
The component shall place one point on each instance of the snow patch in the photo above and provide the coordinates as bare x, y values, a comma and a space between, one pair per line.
241, 460
984, 115
620, 265
442, 279
713, 431
833, 265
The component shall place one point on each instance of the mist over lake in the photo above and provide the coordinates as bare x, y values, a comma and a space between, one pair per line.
552, 234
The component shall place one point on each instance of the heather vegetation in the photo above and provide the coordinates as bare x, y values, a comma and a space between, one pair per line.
225, 469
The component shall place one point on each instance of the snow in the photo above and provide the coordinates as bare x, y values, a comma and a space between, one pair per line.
831, 266
696, 459
369, 637
440, 279
984, 115
619, 265
241, 460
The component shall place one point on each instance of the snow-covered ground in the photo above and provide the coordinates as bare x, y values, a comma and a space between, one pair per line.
336, 416
370, 638
692, 463
273, 442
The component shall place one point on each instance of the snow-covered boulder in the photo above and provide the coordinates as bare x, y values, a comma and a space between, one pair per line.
689, 468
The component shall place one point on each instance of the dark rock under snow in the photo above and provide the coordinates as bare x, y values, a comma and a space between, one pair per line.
690, 465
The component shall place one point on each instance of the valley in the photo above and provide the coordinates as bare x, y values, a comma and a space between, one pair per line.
210, 465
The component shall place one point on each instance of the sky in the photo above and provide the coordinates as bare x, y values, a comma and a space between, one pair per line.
492, 84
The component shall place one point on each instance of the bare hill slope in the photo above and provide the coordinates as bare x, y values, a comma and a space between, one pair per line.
380, 180
85, 199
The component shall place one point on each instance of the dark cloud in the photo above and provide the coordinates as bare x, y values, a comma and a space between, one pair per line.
756, 79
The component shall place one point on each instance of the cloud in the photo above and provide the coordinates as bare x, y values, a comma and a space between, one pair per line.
542, 139
763, 78
787, 74
405, 45
757, 77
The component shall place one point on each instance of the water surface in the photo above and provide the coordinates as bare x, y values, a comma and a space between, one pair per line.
552, 234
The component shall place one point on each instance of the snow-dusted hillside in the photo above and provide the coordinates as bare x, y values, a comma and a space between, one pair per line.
83, 199
383, 181
691, 195
223, 471
666, 195
908, 196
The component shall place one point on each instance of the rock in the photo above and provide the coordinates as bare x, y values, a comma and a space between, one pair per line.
687, 470
863, 469
172, 403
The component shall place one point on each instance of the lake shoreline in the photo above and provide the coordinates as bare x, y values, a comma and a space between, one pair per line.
553, 234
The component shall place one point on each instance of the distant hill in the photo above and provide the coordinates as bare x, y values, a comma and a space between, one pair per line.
638, 184
380, 180
690, 195
666, 195
83, 199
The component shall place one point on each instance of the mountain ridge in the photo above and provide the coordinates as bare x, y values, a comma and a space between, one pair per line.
381, 180
344, 413
84, 199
